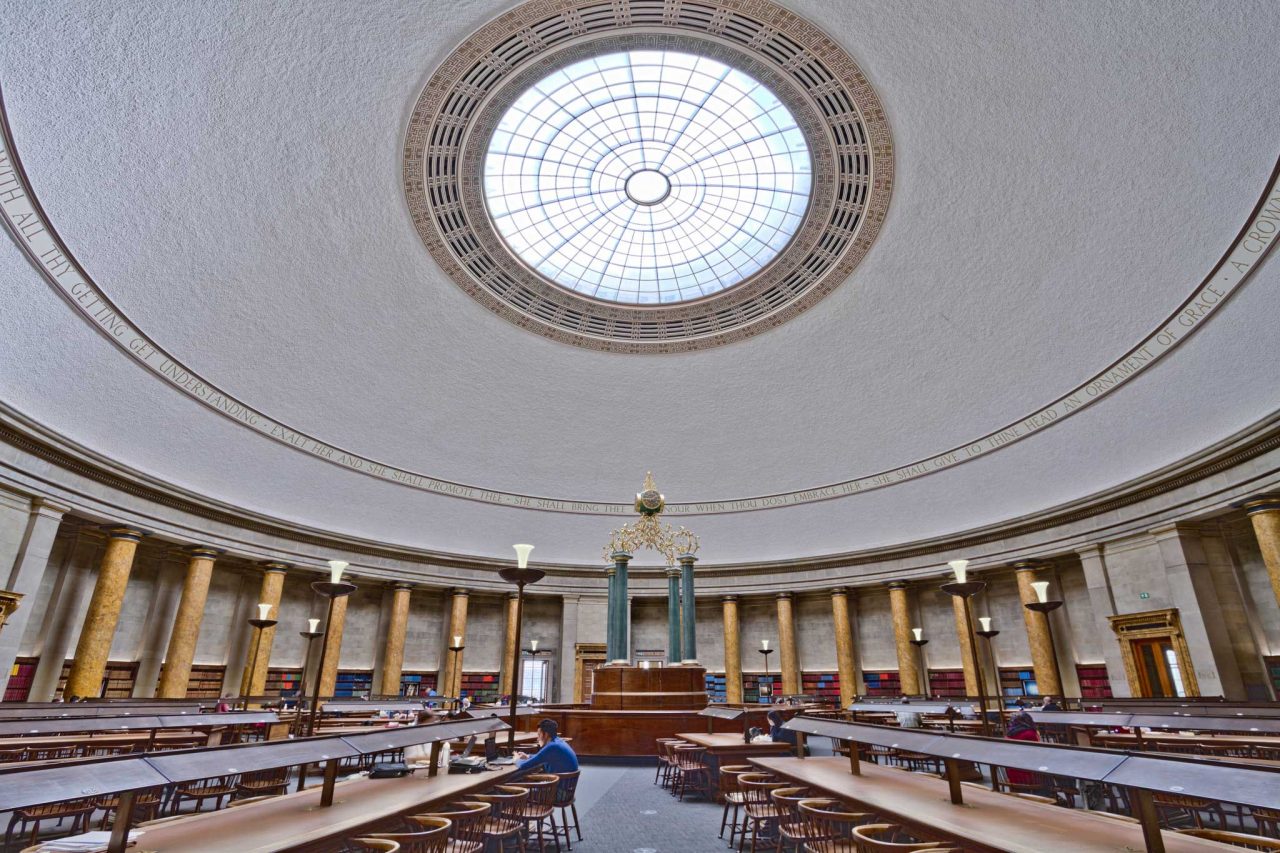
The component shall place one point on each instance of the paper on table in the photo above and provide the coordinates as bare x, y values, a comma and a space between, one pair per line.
88, 842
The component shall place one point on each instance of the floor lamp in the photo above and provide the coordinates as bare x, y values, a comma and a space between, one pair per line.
310, 634
965, 590
988, 632
259, 625
333, 589
920, 642
521, 576
1042, 604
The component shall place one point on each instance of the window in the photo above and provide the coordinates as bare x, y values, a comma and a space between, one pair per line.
533, 679
647, 177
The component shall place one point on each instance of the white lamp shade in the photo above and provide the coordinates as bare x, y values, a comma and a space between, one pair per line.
264, 611
522, 555
1042, 590
313, 625
961, 568
457, 640
533, 644
919, 632
764, 644
336, 568
985, 622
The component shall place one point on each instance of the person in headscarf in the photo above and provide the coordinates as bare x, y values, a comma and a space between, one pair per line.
1022, 727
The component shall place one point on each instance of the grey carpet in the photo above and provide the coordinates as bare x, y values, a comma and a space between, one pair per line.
622, 811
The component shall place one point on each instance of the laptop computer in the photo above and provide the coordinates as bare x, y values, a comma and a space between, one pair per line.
491, 755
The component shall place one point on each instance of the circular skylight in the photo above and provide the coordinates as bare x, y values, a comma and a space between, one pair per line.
647, 177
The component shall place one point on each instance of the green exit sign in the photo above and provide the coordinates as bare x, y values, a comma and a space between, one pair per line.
1144, 595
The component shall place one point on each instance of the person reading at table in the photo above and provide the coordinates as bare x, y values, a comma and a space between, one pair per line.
553, 755
1023, 727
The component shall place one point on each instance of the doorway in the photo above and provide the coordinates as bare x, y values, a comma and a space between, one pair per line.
1159, 675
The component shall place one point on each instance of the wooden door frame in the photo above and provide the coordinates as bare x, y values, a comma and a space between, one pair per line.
1153, 625
583, 652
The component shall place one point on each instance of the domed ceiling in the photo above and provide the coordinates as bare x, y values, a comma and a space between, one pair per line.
1066, 181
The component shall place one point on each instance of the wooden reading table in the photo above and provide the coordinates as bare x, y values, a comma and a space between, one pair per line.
296, 822
987, 821
731, 749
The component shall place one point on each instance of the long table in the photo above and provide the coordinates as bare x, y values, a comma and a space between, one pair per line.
295, 822
987, 821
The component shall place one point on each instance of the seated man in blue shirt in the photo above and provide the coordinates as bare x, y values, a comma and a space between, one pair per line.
554, 755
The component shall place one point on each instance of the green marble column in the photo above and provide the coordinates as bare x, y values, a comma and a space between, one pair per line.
673, 616
619, 615
688, 610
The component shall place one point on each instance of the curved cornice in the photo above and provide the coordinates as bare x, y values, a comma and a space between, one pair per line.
1103, 507
35, 235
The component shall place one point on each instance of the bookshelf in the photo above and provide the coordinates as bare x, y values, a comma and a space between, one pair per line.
1094, 683
280, 681
716, 689
947, 682
417, 683
824, 686
353, 683
751, 682
1018, 681
882, 683
20, 677
206, 681
480, 686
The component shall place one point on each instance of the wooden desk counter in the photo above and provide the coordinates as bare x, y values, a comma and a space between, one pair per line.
731, 746
987, 821
297, 822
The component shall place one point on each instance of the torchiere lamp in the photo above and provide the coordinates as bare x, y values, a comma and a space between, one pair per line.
766, 651
334, 588
1044, 605
521, 576
965, 590
311, 633
455, 652
988, 632
918, 640
259, 625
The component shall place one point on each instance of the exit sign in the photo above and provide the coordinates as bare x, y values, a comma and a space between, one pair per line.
1144, 595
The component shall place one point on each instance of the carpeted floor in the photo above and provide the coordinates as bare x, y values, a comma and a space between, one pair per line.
622, 811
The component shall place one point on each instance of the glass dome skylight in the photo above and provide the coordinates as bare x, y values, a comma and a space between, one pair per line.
647, 177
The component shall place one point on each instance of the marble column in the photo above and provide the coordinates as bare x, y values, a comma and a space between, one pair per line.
450, 680
966, 650
508, 645
29, 565
619, 611
1043, 660
393, 652
272, 587
1264, 512
332, 640
94, 646
673, 616
789, 661
611, 605
908, 655
846, 660
186, 625
732, 652
688, 611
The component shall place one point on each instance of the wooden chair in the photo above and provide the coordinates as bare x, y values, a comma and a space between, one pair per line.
1235, 839
792, 829
11, 756
541, 807
505, 821
566, 797
1268, 821
263, 782
466, 835
757, 802
662, 773
731, 794
146, 805
1172, 806
829, 825
204, 789
384, 844
80, 812
891, 838
691, 770
433, 837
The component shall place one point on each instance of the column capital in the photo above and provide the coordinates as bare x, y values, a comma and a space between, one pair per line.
131, 534
1089, 551
610, 570
202, 551
898, 585
273, 566
687, 559
673, 572
512, 596
1260, 504
459, 592
787, 596
728, 598
405, 585
842, 590
1031, 565
622, 557
48, 508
